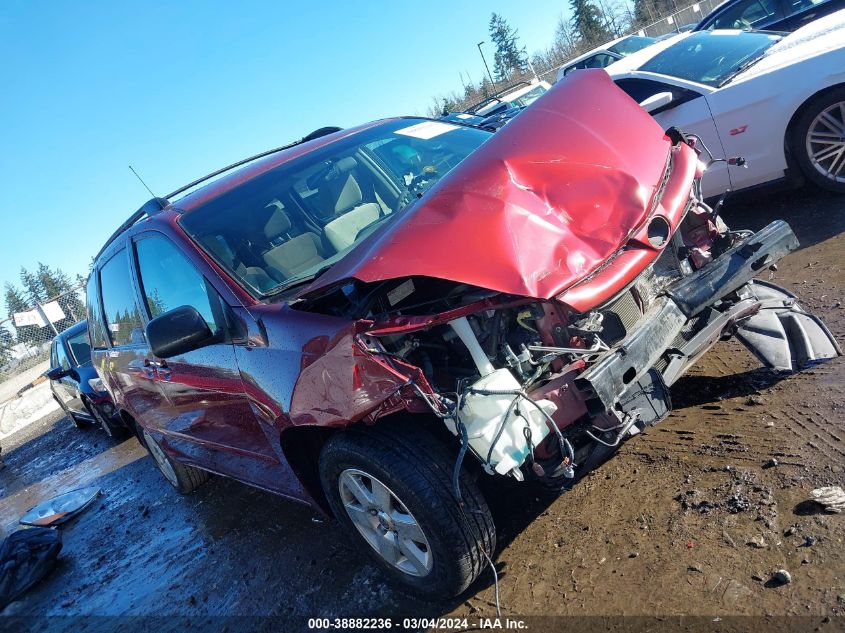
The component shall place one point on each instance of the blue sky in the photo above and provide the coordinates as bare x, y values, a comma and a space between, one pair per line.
178, 89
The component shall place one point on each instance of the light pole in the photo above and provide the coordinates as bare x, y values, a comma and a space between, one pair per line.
489, 74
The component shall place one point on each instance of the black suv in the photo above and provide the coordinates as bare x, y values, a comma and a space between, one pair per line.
75, 384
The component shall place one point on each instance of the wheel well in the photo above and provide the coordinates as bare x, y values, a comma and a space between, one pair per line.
798, 112
302, 446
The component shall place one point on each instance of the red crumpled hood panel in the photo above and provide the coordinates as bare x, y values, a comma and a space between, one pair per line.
541, 205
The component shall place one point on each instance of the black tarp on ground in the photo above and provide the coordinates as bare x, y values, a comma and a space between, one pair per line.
26, 556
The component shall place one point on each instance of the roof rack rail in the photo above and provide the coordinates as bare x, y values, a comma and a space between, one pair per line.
153, 206
323, 131
150, 207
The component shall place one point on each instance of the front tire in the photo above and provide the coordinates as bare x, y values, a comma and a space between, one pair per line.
111, 428
184, 478
391, 488
818, 140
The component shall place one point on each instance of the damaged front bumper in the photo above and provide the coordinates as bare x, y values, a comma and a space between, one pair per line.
695, 312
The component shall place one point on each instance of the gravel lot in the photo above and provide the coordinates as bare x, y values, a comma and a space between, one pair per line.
686, 519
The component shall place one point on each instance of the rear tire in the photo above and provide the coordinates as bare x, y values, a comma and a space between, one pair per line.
436, 549
184, 478
818, 140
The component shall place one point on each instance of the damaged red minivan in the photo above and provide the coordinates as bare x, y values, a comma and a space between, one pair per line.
374, 320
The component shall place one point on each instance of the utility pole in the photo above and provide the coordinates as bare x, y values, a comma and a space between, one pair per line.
489, 74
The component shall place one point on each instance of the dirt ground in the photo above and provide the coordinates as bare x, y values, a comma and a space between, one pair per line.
686, 519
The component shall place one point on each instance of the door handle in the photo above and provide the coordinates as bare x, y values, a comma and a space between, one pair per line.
159, 367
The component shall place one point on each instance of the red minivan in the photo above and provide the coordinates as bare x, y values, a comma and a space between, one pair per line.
374, 320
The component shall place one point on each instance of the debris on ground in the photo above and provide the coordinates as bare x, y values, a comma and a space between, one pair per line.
758, 543
59, 509
782, 577
26, 556
832, 498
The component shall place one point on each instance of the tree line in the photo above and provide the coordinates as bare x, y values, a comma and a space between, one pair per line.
593, 23
39, 286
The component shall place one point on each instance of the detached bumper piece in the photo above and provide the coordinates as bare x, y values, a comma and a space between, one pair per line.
734, 268
782, 335
684, 323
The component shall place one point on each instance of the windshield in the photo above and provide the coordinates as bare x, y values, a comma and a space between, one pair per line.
293, 222
631, 44
79, 347
529, 97
711, 57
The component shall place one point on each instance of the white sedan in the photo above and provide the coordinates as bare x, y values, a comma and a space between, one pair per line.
776, 100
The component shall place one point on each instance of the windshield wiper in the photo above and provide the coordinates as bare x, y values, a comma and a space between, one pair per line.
740, 69
296, 281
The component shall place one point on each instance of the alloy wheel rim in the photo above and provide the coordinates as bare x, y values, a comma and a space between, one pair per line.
385, 522
161, 460
826, 142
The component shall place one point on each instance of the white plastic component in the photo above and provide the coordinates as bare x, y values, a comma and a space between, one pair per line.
464, 331
482, 415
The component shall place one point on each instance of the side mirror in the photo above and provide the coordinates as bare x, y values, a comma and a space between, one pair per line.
657, 101
178, 331
56, 373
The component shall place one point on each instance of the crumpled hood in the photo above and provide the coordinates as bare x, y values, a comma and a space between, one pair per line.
538, 207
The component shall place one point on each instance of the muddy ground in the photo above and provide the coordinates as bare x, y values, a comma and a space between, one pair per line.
686, 519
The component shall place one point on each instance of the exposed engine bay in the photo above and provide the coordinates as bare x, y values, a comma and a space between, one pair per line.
507, 376
539, 389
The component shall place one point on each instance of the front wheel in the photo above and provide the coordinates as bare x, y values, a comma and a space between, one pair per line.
392, 489
818, 141
111, 427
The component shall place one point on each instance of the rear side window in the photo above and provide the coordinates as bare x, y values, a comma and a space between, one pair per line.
96, 325
746, 15
641, 89
123, 318
169, 280
79, 348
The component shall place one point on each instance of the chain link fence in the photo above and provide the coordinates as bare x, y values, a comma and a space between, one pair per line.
673, 23
25, 338
666, 25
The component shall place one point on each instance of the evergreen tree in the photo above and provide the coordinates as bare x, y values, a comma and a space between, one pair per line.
508, 56
587, 22
33, 291
648, 11
16, 301
57, 285
6, 342
42, 286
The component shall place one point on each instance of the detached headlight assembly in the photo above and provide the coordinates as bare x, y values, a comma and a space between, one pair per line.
97, 384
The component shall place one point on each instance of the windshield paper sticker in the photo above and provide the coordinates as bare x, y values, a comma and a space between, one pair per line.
427, 130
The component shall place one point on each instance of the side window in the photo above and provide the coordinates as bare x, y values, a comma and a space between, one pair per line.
96, 326
61, 357
123, 318
641, 89
601, 60
746, 15
169, 280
